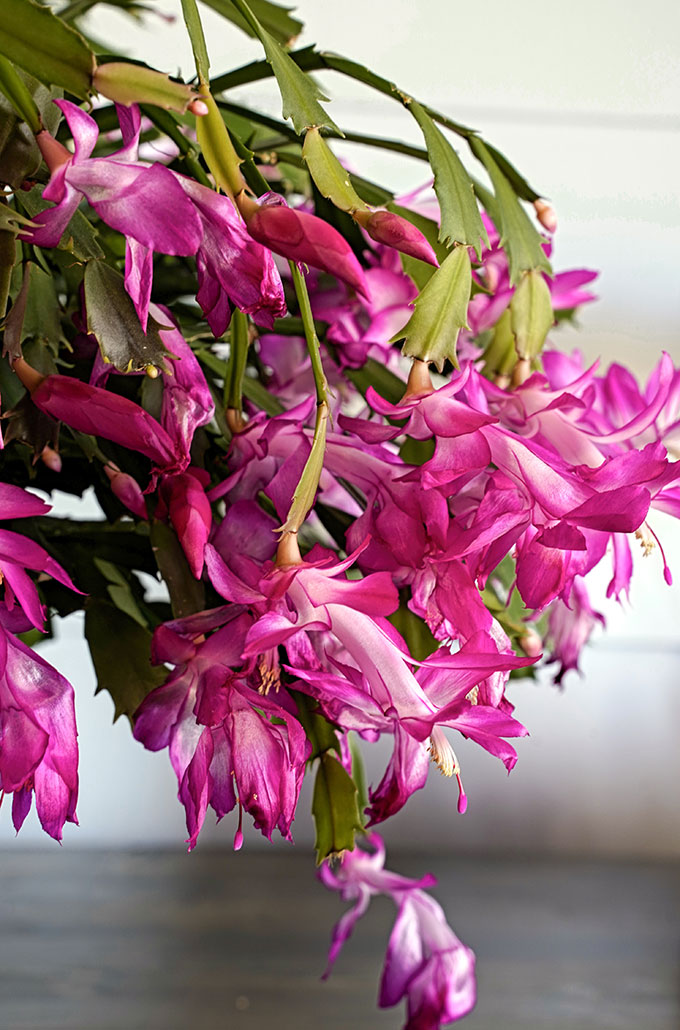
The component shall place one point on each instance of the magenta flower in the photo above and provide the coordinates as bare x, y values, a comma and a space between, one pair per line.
310, 597
228, 744
450, 683
425, 962
158, 210
38, 737
132, 198
187, 401
531, 497
231, 266
186, 404
18, 553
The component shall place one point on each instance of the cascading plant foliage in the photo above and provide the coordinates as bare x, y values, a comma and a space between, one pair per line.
327, 417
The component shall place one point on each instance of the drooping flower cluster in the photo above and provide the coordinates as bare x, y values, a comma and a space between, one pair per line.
352, 549
38, 737
425, 962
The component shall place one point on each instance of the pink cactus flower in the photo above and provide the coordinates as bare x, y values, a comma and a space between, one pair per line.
426, 964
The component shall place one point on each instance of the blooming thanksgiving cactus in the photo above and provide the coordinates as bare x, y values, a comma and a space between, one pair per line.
328, 418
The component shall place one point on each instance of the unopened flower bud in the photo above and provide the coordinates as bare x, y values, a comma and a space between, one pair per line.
51, 458
394, 231
304, 238
531, 643
545, 213
127, 490
198, 108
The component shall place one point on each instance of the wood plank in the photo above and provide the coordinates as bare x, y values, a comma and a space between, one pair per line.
110, 940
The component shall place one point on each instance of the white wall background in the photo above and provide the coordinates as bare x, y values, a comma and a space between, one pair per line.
585, 100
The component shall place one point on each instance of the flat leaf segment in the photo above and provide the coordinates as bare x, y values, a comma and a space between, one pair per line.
40, 43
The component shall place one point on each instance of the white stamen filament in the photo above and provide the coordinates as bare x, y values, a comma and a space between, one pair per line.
443, 754
445, 757
646, 539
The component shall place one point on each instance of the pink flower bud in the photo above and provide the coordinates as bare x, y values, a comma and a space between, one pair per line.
89, 409
545, 213
127, 490
531, 643
394, 231
51, 458
190, 514
304, 238
198, 108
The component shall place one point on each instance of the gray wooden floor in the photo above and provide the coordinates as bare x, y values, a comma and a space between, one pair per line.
164, 941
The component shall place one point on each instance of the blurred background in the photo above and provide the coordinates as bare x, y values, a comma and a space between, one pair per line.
585, 101
563, 876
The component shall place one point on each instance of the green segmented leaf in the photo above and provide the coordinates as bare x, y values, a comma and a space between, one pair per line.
34, 314
218, 150
112, 318
12, 221
500, 356
299, 94
305, 491
35, 39
192, 20
519, 237
19, 95
187, 594
332, 181
119, 590
120, 650
274, 18
335, 809
440, 312
460, 218
131, 82
532, 314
